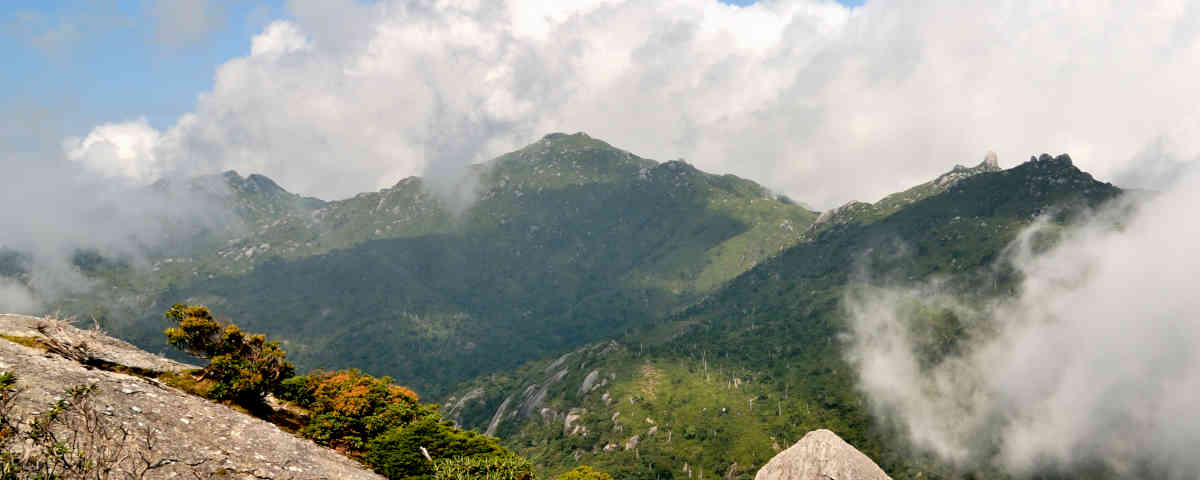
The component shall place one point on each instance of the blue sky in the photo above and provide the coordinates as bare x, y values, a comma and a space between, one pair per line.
94, 61
102, 60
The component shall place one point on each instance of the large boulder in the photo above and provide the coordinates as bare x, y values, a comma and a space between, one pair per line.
141, 427
821, 455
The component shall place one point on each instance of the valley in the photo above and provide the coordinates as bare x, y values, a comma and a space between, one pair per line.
594, 307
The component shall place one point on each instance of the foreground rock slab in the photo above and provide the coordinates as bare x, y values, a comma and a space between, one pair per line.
182, 435
821, 455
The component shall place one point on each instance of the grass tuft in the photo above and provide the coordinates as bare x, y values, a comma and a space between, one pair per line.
31, 342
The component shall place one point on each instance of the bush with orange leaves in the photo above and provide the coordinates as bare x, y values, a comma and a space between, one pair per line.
349, 407
244, 366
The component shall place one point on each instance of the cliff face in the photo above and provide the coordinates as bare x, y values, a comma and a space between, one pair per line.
821, 455
155, 430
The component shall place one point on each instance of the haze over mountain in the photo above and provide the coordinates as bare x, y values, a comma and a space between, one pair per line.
571, 241
372, 183
721, 296
766, 358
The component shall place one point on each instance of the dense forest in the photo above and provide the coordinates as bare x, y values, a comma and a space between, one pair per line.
595, 307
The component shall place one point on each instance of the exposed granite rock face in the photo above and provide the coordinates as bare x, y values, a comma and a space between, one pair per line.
99, 346
991, 161
589, 382
574, 415
859, 212
821, 455
192, 437
453, 407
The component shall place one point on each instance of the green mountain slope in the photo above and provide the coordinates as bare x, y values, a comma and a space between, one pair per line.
722, 385
570, 241
724, 299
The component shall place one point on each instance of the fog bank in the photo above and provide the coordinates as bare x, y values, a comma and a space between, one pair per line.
1094, 363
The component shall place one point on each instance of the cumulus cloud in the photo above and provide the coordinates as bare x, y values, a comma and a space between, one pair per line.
1093, 360
50, 208
818, 101
279, 38
124, 150
1094, 363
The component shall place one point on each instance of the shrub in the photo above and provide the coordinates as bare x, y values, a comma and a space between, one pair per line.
584, 472
349, 407
70, 439
483, 467
397, 453
352, 411
244, 366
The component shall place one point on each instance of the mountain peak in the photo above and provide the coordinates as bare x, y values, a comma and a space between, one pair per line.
251, 196
989, 164
573, 141
991, 161
552, 136
559, 159
866, 212
1046, 159
261, 182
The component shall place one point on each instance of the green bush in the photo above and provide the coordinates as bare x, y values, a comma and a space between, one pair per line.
352, 411
244, 366
483, 467
296, 390
349, 407
397, 453
584, 472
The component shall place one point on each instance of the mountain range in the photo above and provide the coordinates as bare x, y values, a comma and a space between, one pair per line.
591, 306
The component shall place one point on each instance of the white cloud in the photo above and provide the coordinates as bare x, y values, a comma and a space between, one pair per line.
279, 38
60, 196
118, 150
821, 102
1096, 361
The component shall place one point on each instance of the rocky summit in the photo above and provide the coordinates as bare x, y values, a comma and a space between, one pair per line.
139, 426
821, 455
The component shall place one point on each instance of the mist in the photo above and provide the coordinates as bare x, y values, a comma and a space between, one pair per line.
1092, 366
52, 208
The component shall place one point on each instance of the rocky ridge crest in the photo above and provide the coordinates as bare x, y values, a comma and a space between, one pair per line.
172, 434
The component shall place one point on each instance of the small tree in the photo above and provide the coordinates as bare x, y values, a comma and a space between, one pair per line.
350, 407
244, 366
398, 452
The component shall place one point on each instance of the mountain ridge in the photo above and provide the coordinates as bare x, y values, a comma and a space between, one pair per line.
615, 240
721, 296
765, 348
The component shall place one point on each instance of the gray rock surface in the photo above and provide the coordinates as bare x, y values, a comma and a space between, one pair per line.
98, 345
589, 382
192, 437
821, 455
